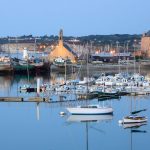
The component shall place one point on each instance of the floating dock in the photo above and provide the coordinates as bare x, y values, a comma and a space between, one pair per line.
11, 99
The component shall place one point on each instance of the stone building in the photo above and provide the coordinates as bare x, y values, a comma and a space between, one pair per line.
145, 43
62, 50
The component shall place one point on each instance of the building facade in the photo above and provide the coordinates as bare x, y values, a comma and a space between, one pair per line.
145, 44
62, 50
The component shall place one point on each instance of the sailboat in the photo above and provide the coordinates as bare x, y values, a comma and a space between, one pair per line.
90, 109
133, 117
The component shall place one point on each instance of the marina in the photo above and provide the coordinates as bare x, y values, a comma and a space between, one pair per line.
74, 75
81, 104
40, 118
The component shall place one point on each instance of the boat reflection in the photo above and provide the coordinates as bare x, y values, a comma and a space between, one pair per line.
89, 118
133, 125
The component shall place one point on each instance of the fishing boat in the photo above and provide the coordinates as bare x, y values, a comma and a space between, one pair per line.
90, 110
5, 63
60, 62
37, 63
22, 65
133, 119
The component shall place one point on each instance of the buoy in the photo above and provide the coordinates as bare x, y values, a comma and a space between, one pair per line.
62, 113
120, 121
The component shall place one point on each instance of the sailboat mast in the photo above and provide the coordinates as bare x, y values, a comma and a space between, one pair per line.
65, 71
118, 54
127, 59
35, 46
17, 46
87, 59
134, 56
8, 47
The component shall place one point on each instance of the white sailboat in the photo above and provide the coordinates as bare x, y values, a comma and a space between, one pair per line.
90, 110
133, 119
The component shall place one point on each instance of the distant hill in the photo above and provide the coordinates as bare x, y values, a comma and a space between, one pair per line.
95, 39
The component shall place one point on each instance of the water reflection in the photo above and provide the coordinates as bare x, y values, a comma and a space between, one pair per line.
135, 131
133, 125
38, 111
89, 126
38, 126
89, 118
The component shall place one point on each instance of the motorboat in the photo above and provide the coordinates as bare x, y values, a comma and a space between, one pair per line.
87, 81
90, 110
27, 88
133, 119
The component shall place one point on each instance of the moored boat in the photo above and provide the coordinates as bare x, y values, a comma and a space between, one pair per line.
133, 119
90, 110
5, 63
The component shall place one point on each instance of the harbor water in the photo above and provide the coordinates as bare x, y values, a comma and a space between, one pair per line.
39, 126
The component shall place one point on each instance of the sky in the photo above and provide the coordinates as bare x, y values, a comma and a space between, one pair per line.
75, 17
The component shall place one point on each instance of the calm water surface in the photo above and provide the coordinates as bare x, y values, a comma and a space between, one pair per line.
40, 127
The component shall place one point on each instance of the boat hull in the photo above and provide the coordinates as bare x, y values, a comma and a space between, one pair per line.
90, 111
127, 121
133, 120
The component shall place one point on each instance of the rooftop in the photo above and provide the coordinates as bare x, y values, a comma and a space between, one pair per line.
147, 34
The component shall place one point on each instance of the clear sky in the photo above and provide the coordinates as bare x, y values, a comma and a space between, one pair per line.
76, 17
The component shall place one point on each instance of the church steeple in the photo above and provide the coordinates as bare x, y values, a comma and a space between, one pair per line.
61, 34
61, 37
62, 50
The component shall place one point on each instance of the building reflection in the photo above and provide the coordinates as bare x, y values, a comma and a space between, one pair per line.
5, 82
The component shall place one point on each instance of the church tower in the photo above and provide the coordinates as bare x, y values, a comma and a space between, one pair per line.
61, 37
62, 50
